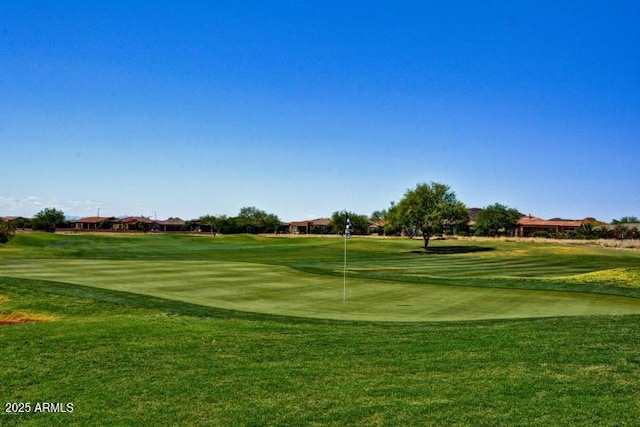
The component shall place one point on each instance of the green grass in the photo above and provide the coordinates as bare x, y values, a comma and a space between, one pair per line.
124, 358
387, 280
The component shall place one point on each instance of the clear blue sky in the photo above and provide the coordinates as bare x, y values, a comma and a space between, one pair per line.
301, 108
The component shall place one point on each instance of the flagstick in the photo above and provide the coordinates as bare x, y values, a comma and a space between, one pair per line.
348, 228
344, 286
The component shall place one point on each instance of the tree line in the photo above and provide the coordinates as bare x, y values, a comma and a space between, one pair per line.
428, 209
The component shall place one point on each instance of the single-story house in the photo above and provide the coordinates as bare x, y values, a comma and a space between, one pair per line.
89, 223
313, 226
196, 226
528, 225
376, 227
168, 225
131, 223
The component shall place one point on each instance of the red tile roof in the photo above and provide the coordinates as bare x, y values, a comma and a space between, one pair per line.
136, 219
533, 221
91, 220
320, 221
311, 222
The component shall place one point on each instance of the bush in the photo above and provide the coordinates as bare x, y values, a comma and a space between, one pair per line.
48, 219
6, 231
21, 222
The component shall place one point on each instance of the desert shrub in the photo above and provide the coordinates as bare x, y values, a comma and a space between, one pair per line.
6, 231
48, 219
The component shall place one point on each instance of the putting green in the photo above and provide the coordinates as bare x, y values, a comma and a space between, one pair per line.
281, 290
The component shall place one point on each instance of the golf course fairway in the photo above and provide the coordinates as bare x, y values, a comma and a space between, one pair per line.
386, 280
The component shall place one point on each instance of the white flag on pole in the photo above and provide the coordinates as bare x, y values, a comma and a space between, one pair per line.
348, 229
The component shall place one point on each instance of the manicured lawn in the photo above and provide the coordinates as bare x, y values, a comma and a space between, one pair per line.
388, 279
124, 358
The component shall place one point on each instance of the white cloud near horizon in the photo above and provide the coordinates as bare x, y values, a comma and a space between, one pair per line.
31, 205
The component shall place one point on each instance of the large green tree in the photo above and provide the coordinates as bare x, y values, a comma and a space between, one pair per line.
496, 218
253, 220
392, 222
215, 222
48, 219
378, 215
429, 208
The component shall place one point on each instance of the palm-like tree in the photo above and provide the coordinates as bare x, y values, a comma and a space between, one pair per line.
587, 231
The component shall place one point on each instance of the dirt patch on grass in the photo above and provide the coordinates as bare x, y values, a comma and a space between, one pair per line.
17, 317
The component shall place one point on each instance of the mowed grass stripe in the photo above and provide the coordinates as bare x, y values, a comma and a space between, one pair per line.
464, 266
273, 289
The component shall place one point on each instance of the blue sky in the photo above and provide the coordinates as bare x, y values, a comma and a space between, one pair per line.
303, 108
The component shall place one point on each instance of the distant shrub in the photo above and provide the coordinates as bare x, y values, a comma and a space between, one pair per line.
6, 231
48, 219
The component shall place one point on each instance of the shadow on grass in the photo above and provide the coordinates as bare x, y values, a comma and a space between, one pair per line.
449, 250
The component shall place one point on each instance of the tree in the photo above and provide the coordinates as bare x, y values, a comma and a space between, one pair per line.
21, 222
359, 223
587, 230
376, 221
214, 222
496, 217
7, 230
106, 224
392, 222
429, 208
378, 215
253, 220
48, 219
620, 231
625, 220
604, 232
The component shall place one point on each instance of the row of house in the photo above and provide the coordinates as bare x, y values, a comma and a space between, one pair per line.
139, 223
131, 223
528, 225
134, 223
314, 226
